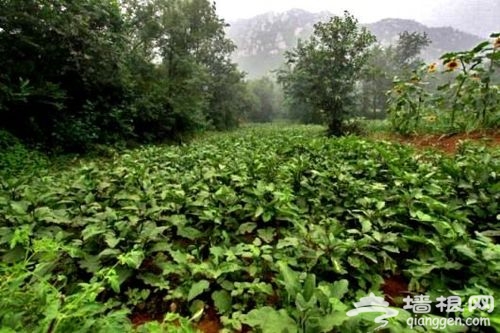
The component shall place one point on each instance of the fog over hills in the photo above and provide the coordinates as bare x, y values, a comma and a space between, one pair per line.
262, 40
479, 17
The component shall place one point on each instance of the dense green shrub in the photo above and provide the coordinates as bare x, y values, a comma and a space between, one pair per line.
79, 73
250, 224
16, 158
267, 99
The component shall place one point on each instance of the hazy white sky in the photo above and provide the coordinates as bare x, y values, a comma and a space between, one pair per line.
365, 10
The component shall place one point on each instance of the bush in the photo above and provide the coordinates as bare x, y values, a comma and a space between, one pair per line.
15, 157
80, 73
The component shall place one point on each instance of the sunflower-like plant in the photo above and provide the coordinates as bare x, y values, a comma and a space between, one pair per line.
407, 102
468, 101
474, 91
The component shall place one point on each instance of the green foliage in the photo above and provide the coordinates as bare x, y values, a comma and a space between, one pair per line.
309, 307
376, 80
172, 323
266, 100
273, 227
383, 65
376, 126
60, 61
33, 301
16, 158
78, 74
408, 49
467, 100
323, 70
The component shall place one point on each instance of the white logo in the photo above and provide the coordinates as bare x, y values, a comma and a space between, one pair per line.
371, 304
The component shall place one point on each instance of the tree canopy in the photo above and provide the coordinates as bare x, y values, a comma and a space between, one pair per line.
322, 71
77, 73
384, 64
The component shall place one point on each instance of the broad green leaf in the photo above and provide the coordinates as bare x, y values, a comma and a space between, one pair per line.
267, 216
465, 250
267, 234
19, 207
332, 320
189, 233
222, 301
92, 230
421, 216
155, 281
114, 281
304, 305
269, 320
179, 257
111, 239
366, 225
381, 205
132, 259
113, 253
247, 228
90, 263
197, 289
481, 46
309, 287
287, 242
290, 279
196, 308
259, 211
340, 288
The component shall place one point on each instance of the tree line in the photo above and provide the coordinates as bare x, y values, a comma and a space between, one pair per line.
75, 74
340, 72
78, 73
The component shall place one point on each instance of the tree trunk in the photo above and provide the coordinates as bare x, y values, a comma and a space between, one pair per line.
335, 127
335, 123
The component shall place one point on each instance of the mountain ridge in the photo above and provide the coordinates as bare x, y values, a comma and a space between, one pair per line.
263, 39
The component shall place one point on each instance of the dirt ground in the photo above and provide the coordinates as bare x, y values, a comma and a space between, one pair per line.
447, 143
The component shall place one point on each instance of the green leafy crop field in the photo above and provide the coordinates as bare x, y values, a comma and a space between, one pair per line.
268, 229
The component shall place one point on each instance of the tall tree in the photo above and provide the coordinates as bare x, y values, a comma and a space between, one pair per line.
375, 81
188, 40
409, 47
77, 73
386, 64
267, 100
59, 63
322, 71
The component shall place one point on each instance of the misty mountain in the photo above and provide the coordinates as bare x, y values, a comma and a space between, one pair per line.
444, 39
262, 40
479, 17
